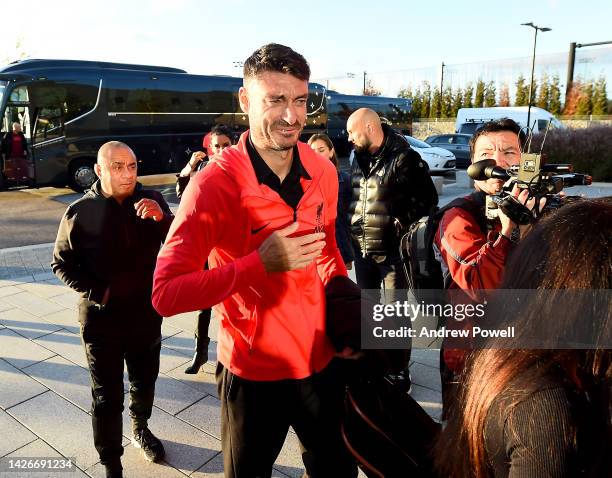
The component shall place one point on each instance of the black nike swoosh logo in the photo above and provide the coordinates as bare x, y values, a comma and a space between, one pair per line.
255, 231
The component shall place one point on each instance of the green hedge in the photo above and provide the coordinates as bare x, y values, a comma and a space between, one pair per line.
589, 150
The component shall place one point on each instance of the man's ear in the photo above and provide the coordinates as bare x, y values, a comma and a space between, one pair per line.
98, 170
243, 98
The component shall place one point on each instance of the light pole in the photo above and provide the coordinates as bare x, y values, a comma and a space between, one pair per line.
535, 39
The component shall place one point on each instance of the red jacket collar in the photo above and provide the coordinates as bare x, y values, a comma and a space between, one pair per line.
236, 163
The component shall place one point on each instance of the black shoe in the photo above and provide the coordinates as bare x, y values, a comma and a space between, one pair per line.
200, 357
151, 446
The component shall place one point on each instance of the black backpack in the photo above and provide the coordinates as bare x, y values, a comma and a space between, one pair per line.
421, 268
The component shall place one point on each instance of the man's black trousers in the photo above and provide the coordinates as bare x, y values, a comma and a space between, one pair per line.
106, 348
256, 416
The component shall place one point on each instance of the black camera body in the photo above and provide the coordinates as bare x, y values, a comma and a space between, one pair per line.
532, 174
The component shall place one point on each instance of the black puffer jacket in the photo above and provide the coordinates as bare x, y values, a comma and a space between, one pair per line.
393, 185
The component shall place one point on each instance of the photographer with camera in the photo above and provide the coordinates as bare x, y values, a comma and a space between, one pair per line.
471, 247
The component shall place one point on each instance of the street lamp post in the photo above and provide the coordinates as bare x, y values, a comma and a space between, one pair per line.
535, 39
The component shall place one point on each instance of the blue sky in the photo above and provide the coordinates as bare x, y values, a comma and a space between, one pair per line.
335, 36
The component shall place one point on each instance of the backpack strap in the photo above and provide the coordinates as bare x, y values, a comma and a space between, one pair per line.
473, 204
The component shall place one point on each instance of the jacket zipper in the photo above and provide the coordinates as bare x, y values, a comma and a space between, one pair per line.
363, 214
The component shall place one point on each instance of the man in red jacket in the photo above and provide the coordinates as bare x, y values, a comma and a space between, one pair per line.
263, 213
471, 248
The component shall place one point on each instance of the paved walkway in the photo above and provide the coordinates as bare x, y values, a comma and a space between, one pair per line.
45, 397
44, 383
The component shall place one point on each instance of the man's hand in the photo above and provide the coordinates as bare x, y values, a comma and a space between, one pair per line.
507, 225
148, 208
281, 253
193, 163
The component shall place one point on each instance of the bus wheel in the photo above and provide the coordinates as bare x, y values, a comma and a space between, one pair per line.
82, 175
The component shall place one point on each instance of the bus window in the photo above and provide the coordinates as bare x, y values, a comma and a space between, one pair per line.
48, 125
19, 94
72, 98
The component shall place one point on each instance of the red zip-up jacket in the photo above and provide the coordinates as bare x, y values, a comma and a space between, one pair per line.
474, 260
272, 325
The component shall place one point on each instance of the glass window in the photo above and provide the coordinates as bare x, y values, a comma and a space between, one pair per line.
436, 140
469, 128
48, 124
72, 98
542, 125
19, 94
461, 139
171, 95
2, 90
416, 143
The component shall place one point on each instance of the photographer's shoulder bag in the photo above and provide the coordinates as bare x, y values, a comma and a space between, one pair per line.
421, 268
387, 431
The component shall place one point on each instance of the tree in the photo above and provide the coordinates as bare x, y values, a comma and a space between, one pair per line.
447, 103
489, 95
457, 102
534, 93
573, 97
436, 104
370, 89
417, 101
467, 96
417, 104
554, 93
600, 97
405, 93
20, 53
522, 92
504, 95
426, 108
480, 93
543, 100
585, 101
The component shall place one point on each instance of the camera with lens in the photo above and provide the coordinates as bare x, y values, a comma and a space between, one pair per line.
532, 174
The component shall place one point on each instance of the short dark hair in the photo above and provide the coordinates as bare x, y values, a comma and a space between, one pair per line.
504, 124
279, 58
222, 130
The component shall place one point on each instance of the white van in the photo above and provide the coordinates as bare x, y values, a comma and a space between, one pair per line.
469, 119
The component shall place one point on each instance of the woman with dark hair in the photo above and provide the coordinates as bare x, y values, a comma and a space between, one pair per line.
324, 146
543, 412
214, 142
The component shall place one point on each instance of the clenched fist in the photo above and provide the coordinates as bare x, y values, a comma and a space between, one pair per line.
281, 253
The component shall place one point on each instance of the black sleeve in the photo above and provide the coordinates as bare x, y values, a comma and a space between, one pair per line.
24, 141
537, 437
181, 184
66, 264
416, 193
